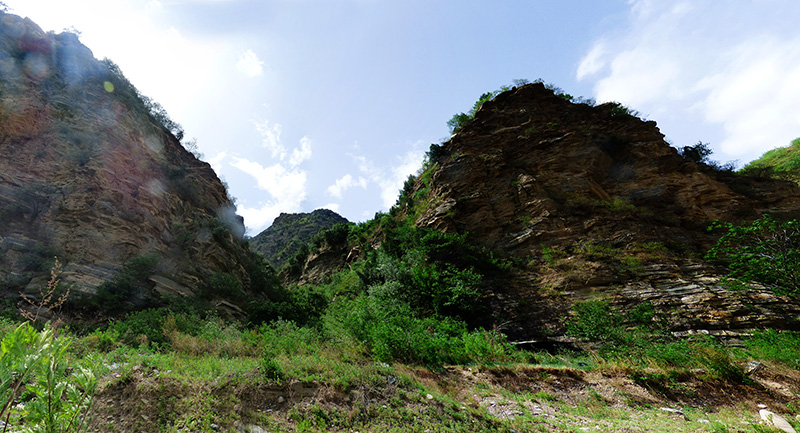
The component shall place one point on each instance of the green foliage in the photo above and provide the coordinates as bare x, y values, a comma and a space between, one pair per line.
774, 345
697, 153
433, 272
131, 95
766, 251
57, 391
700, 152
596, 321
619, 110
225, 286
302, 305
147, 327
457, 122
129, 289
780, 163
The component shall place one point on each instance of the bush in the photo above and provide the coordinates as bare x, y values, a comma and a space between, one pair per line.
766, 251
303, 305
129, 288
596, 321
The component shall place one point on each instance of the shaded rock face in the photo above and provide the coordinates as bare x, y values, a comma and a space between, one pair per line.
533, 169
533, 172
289, 232
88, 175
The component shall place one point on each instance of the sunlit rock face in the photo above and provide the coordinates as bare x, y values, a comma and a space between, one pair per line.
88, 175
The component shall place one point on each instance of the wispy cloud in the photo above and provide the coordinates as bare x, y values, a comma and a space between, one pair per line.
286, 189
390, 180
271, 138
694, 62
344, 183
283, 180
301, 153
249, 64
216, 161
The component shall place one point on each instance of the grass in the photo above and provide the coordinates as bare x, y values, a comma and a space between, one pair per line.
324, 380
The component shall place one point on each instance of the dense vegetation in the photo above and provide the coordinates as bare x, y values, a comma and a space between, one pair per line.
779, 163
290, 232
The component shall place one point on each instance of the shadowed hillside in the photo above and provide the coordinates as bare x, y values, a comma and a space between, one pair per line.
287, 234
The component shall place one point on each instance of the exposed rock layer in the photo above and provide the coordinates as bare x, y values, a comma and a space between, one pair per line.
89, 175
572, 190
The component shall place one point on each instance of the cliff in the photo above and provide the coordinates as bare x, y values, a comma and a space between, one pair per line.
585, 203
89, 174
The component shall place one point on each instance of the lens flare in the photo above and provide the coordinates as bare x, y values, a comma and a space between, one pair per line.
109, 86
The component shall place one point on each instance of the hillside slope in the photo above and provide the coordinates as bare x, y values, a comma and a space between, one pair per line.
287, 234
778, 163
89, 174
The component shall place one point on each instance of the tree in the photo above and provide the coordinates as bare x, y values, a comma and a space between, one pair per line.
766, 251
697, 153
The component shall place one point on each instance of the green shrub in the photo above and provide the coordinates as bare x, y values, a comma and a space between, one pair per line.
226, 286
766, 251
271, 371
774, 345
303, 305
152, 327
129, 288
595, 320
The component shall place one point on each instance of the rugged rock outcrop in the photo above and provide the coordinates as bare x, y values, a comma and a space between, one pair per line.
595, 203
89, 174
289, 232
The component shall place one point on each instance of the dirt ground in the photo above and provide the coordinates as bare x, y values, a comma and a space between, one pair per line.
147, 401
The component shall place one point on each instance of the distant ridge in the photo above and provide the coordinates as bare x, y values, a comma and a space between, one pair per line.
281, 241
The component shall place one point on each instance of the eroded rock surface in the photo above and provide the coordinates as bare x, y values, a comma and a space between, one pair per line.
89, 175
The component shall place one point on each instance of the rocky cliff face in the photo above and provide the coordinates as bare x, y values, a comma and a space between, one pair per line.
89, 175
594, 203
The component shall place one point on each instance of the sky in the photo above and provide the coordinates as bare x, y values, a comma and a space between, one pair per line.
306, 104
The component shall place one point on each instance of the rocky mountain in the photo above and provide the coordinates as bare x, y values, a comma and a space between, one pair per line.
590, 202
598, 205
289, 232
91, 172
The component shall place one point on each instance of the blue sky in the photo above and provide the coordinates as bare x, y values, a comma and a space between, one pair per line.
302, 104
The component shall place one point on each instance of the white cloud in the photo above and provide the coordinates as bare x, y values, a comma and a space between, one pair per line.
249, 64
331, 206
391, 180
346, 182
286, 189
593, 61
701, 65
271, 138
302, 153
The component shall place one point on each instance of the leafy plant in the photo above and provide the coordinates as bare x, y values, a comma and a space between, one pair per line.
766, 251
35, 368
